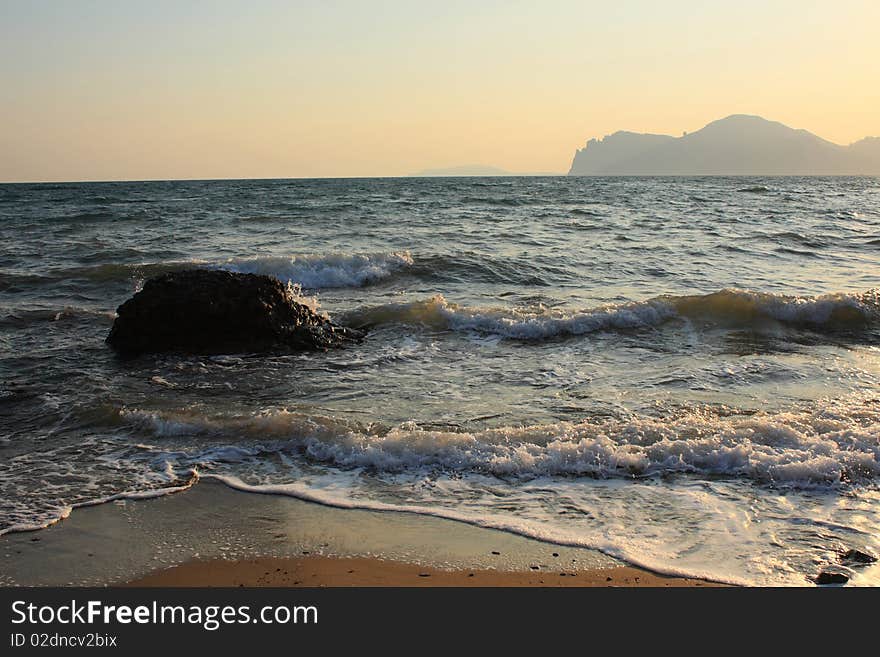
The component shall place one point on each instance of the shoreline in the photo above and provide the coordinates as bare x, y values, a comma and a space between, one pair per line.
213, 535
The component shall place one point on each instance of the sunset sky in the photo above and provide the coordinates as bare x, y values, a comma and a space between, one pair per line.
96, 90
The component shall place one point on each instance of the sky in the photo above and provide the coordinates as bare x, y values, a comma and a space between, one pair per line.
127, 90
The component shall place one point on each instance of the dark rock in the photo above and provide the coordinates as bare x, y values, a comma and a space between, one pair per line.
854, 556
831, 577
204, 311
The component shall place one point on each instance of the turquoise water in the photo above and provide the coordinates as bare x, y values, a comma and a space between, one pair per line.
678, 371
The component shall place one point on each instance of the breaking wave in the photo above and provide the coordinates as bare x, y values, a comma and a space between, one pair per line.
831, 312
835, 444
308, 271
326, 271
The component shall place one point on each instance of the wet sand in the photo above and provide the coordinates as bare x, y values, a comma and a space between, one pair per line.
317, 571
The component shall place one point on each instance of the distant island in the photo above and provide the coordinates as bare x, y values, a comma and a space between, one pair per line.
737, 145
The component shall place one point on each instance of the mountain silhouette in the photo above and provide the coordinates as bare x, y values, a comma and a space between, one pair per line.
737, 145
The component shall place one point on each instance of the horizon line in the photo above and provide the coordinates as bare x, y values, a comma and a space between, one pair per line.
510, 175
145, 180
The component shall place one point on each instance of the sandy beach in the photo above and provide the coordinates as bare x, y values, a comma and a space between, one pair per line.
317, 571
233, 539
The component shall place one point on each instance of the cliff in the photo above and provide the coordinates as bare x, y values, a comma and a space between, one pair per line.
737, 145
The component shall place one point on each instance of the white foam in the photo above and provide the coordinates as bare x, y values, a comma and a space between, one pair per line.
64, 512
632, 553
316, 272
806, 448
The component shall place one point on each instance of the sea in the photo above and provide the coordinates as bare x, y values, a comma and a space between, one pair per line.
679, 372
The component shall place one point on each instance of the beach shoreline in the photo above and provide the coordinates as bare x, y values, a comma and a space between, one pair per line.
236, 538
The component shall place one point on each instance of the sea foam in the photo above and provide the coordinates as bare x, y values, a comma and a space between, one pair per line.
828, 446
316, 272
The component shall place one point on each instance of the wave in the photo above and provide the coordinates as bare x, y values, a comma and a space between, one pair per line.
307, 271
326, 271
554, 482
832, 312
813, 241
835, 311
798, 252
439, 314
832, 445
334, 270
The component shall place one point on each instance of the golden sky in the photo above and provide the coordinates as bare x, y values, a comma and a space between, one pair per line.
97, 90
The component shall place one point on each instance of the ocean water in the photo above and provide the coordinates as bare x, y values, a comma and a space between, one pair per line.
681, 372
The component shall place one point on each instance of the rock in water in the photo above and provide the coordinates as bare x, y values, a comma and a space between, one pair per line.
204, 311
829, 576
859, 557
